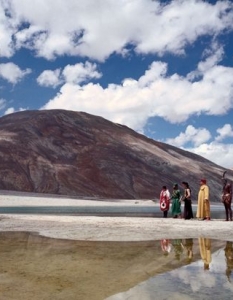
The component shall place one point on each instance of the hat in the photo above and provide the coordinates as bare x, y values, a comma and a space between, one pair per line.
203, 180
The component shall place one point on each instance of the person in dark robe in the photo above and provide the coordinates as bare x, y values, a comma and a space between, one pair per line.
188, 211
227, 197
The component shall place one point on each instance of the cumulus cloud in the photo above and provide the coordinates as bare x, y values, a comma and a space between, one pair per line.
74, 74
96, 29
224, 132
196, 136
50, 78
12, 73
213, 150
174, 98
11, 110
79, 73
6, 33
217, 152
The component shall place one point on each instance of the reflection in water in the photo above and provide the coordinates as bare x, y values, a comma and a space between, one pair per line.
205, 275
178, 248
188, 245
44, 268
205, 251
229, 259
165, 246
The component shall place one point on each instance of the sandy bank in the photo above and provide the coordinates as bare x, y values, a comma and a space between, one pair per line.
93, 228
116, 228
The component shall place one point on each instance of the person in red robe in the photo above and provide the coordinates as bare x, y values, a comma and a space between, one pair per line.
164, 201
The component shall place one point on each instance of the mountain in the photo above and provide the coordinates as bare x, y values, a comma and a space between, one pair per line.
78, 154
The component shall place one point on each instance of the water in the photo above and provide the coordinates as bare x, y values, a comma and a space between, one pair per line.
35, 267
208, 278
217, 211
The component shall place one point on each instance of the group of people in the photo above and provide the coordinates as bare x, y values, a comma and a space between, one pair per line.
176, 198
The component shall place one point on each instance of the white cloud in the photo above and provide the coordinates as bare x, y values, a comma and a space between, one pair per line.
96, 29
215, 151
12, 73
224, 132
219, 153
174, 98
74, 74
50, 78
2, 103
6, 33
80, 72
214, 55
9, 110
196, 136
12, 110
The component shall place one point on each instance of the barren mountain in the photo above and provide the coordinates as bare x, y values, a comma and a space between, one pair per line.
78, 154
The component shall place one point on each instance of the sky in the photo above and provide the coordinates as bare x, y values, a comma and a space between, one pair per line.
162, 68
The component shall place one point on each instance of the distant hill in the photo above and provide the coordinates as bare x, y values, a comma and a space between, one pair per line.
78, 154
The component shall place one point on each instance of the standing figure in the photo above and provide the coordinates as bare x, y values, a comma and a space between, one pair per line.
227, 197
164, 201
203, 205
188, 211
176, 205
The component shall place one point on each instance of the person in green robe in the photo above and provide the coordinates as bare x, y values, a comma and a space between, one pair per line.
176, 203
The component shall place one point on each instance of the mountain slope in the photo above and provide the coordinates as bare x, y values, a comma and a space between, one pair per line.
74, 153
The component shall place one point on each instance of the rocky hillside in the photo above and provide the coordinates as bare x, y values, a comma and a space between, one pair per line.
74, 153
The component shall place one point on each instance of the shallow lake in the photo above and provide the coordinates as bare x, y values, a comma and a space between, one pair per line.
36, 267
217, 211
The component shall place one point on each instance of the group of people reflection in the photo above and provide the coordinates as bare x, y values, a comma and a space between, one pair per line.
184, 247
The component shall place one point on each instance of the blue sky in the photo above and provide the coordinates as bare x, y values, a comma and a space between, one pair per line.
163, 68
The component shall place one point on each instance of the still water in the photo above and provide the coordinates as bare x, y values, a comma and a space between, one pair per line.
217, 211
35, 267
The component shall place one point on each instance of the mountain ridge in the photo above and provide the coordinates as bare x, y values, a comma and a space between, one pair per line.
78, 154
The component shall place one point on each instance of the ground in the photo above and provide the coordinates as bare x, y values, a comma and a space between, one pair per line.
97, 228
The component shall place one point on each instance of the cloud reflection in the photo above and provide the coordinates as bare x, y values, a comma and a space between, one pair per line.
209, 277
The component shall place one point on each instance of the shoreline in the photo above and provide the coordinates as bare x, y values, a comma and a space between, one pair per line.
116, 229
106, 228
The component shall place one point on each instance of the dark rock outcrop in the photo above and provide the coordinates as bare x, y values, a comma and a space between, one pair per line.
78, 154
